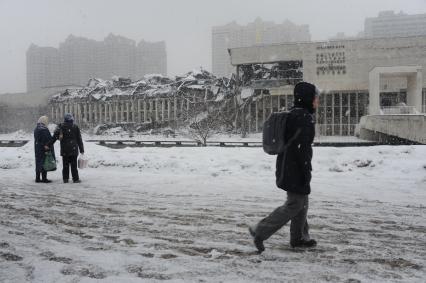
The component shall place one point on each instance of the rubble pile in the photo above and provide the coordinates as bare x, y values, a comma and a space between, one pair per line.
198, 82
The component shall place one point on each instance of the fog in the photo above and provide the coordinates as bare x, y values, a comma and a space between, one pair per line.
184, 25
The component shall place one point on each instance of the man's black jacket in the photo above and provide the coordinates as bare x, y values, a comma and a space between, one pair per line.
71, 142
293, 167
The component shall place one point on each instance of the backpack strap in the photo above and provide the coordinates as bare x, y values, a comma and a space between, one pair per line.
290, 141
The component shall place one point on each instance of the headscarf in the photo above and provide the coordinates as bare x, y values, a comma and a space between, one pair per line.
43, 120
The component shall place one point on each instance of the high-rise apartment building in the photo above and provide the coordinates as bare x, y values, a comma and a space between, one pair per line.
389, 24
151, 57
78, 59
233, 35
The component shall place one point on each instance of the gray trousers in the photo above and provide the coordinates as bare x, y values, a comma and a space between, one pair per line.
294, 209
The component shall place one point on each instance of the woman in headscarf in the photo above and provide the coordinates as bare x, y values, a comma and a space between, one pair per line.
42, 138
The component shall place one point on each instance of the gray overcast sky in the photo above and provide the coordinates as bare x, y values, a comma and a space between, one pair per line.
184, 24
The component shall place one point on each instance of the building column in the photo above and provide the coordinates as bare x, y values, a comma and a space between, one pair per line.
145, 113
105, 112
156, 110
169, 111
374, 92
250, 118
85, 112
279, 102
414, 90
263, 108
162, 109
122, 111
139, 111
95, 112
332, 113
61, 113
100, 108
110, 112
52, 113
341, 115
349, 114
357, 107
257, 115
117, 117
286, 102
151, 110
175, 108
126, 109
324, 125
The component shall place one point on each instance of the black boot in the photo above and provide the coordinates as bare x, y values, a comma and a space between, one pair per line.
44, 177
37, 179
303, 243
258, 242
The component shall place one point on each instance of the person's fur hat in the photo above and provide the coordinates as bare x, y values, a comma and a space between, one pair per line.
69, 117
43, 120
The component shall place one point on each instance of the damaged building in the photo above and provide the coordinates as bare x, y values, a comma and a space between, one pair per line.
154, 101
356, 77
349, 73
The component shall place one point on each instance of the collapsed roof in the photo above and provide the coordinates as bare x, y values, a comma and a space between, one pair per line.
154, 85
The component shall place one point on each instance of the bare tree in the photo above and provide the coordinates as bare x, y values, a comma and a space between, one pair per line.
202, 119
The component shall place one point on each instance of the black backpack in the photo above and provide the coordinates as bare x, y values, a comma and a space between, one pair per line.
274, 132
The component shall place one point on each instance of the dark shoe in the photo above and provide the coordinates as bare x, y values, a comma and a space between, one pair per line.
251, 231
76, 181
303, 243
46, 181
258, 243
38, 181
65, 181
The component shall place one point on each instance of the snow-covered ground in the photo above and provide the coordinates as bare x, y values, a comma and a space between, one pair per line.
122, 135
181, 214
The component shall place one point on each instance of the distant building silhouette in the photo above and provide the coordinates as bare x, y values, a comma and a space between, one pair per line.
389, 24
77, 59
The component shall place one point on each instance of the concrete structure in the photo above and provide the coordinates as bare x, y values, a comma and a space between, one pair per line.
414, 76
389, 24
394, 128
77, 59
342, 69
258, 32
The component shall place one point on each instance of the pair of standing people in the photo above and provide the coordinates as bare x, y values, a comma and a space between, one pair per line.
71, 145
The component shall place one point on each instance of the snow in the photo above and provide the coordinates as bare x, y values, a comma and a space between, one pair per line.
150, 85
181, 214
246, 92
118, 133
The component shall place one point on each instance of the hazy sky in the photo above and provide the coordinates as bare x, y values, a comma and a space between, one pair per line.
185, 25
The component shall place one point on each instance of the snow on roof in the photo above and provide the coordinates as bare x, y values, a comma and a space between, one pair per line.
150, 86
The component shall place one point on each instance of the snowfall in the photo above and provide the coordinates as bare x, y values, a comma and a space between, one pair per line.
181, 215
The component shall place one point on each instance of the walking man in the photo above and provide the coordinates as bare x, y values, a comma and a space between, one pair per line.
293, 173
71, 143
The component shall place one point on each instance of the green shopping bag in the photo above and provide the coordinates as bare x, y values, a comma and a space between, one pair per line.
49, 163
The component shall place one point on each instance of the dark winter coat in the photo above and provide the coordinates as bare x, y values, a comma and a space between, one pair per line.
42, 137
293, 167
71, 142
